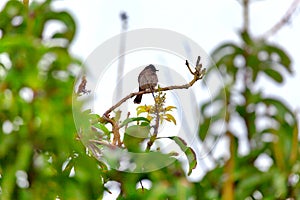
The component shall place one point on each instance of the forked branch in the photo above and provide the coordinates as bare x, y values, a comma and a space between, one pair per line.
198, 74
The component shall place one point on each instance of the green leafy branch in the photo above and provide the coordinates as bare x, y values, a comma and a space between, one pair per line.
197, 73
150, 111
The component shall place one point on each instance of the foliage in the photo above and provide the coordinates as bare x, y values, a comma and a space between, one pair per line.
139, 136
38, 150
271, 127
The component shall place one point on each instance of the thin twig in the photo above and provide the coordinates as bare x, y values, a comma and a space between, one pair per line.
246, 15
115, 130
185, 86
121, 65
155, 132
188, 66
142, 185
283, 21
128, 114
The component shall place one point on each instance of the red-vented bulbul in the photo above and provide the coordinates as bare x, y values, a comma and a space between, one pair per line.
147, 80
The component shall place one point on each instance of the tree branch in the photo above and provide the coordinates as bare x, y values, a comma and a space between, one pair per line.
198, 74
284, 20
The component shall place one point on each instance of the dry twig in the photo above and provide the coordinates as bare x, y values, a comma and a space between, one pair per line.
283, 21
198, 74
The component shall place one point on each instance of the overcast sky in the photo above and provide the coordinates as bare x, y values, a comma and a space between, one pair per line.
206, 22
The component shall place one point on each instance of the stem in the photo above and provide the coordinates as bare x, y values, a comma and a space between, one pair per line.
283, 21
228, 185
26, 2
155, 132
294, 151
228, 188
124, 19
246, 15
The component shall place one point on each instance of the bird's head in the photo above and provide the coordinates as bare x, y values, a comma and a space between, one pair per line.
152, 68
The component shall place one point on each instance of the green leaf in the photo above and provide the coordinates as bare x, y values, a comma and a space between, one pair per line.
189, 152
102, 127
275, 75
227, 48
253, 62
128, 120
134, 135
152, 160
282, 110
94, 118
204, 127
284, 59
46, 15
138, 131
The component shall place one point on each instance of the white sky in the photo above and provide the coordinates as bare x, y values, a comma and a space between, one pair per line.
208, 22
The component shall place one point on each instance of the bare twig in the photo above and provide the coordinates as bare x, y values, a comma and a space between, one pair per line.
142, 185
246, 15
121, 65
128, 114
283, 21
188, 66
115, 130
198, 74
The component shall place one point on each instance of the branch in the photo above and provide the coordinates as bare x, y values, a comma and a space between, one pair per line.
198, 74
155, 132
115, 130
246, 15
26, 2
284, 20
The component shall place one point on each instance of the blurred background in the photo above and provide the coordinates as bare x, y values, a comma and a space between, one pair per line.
259, 154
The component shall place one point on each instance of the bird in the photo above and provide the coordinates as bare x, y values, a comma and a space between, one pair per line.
147, 80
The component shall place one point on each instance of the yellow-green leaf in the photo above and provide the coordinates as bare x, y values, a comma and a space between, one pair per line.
170, 118
142, 109
169, 108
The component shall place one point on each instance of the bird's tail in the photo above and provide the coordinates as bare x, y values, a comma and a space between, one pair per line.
138, 98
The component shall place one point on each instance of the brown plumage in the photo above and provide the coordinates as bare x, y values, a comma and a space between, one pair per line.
147, 80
